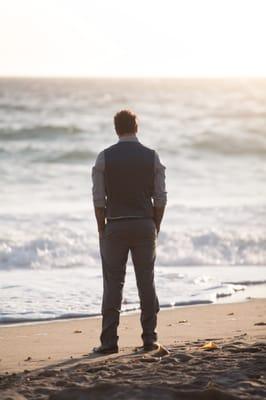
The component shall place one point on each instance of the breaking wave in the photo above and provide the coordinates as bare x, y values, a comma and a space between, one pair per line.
212, 248
69, 249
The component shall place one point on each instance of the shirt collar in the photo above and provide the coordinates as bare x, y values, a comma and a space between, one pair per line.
128, 138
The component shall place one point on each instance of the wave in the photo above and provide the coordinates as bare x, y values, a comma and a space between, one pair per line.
224, 145
34, 155
12, 319
211, 248
219, 293
15, 107
43, 253
246, 283
38, 132
66, 249
239, 115
191, 303
22, 320
68, 157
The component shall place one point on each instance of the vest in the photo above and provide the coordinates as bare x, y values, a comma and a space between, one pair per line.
129, 180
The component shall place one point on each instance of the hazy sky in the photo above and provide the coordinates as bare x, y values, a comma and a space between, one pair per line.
133, 37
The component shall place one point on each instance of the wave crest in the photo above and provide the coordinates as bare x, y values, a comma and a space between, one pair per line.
221, 144
38, 132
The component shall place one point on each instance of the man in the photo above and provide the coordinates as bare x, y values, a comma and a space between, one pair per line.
129, 192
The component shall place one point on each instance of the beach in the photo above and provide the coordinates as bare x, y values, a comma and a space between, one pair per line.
54, 361
210, 254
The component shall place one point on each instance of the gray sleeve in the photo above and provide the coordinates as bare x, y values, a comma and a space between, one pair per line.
160, 194
98, 186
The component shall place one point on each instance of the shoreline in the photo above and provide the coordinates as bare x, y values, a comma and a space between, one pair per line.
239, 296
123, 313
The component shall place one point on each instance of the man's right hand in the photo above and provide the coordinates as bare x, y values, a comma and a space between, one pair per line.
100, 217
158, 213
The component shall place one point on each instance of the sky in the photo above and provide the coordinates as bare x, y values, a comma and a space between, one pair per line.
133, 38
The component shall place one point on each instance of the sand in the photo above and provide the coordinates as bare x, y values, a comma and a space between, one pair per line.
53, 360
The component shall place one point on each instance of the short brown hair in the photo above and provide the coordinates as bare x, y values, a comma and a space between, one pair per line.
125, 122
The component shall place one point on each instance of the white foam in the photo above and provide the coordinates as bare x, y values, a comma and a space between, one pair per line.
63, 247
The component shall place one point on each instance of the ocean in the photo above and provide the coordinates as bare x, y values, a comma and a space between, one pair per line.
210, 135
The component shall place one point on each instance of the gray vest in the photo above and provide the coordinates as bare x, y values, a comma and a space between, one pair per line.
129, 180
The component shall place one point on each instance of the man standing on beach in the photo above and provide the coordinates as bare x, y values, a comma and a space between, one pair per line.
129, 199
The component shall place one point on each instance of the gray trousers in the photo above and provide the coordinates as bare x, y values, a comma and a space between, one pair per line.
138, 236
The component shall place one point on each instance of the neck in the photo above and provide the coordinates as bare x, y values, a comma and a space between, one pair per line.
127, 135
128, 138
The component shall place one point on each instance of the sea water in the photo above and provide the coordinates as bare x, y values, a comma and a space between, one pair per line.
210, 135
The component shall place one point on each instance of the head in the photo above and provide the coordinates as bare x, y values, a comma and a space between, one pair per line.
125, 122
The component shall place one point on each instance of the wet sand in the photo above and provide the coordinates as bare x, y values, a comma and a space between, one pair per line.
53, 360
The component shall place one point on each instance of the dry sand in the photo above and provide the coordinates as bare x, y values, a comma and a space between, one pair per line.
53, 360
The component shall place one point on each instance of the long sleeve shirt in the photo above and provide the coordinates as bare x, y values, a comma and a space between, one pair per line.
98, 188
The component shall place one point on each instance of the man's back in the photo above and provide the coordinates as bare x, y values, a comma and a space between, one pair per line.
129, 180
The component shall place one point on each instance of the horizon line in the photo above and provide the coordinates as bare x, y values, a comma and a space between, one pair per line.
180, 77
